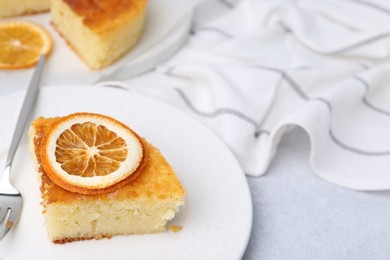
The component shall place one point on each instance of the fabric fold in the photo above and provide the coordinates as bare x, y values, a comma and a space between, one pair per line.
259, 68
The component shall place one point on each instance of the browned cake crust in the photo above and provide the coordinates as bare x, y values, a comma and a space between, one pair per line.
102, 15
156, 181
74, 239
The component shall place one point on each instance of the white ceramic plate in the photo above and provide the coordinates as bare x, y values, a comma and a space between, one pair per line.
216, 219
166, 30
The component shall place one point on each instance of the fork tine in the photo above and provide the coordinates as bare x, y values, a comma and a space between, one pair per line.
10, 213
4, 225
3, 211
14, 215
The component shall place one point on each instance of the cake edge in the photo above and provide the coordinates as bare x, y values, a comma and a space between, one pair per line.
102, 65
70, 45
32, 149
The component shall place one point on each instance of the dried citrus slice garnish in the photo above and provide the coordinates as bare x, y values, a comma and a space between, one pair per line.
89, 153
22, 43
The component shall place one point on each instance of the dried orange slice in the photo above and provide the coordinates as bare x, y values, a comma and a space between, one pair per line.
89, 153
22, 43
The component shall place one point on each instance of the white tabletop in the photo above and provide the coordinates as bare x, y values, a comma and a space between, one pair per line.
297, 215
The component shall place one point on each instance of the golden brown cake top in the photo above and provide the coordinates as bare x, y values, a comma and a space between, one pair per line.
102, 15
157, 180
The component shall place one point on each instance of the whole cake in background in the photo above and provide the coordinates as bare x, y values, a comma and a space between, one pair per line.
9, 8
99, 31
98, 179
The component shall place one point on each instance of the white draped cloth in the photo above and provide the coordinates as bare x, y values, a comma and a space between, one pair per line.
253, 69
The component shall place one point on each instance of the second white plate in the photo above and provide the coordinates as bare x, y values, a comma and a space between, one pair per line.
166, 30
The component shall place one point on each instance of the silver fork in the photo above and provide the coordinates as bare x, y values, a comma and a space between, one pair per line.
10, 198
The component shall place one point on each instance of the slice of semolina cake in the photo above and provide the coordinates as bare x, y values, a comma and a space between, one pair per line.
99, 31
141, 206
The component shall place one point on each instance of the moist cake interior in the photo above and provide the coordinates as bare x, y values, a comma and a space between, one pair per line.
143, 206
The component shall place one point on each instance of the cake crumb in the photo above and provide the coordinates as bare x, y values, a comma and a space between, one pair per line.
176, 228
9, 224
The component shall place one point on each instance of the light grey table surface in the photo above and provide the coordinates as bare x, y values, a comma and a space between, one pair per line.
297, 215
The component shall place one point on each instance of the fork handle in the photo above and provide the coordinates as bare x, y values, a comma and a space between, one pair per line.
28, 103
